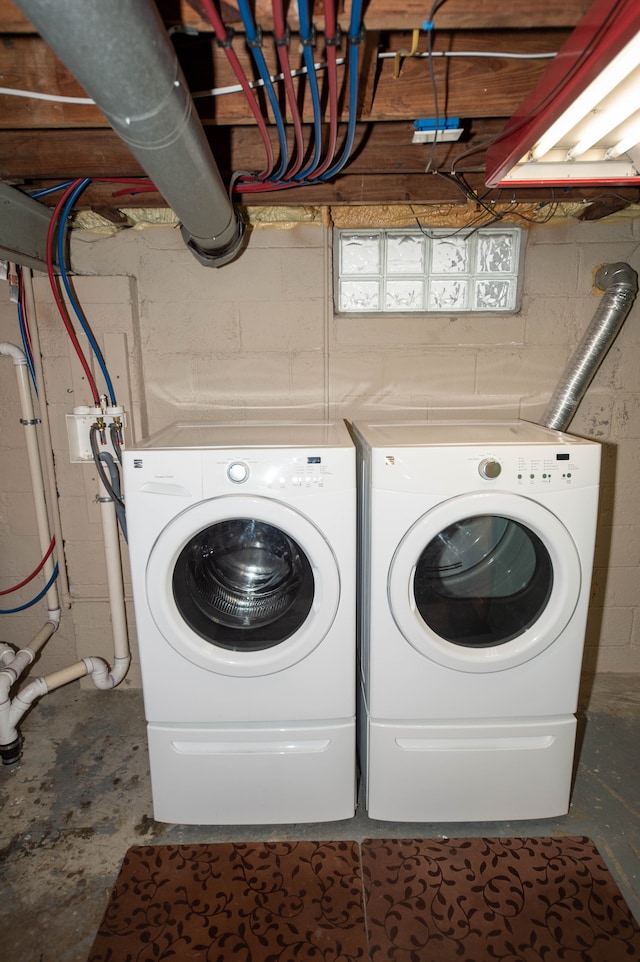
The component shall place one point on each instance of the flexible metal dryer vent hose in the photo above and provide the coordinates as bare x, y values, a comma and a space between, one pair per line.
620, 285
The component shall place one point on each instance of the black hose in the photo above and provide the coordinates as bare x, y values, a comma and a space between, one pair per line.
111, 484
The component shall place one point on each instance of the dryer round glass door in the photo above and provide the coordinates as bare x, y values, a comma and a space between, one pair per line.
484, 582
242, 585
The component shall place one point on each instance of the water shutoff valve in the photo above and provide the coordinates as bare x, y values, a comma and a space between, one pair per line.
110, 422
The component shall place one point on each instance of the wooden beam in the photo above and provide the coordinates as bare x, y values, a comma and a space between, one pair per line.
406, 14
467, 87
378, 148
386, 189
379, 14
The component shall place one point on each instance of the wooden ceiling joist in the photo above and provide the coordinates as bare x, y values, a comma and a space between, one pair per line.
41, 141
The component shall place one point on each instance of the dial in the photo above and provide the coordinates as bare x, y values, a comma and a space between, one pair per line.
238, 472
489, 469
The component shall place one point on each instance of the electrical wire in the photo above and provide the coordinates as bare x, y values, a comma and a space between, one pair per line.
36, 95
13, 611
36, 571
483, 54
255, 84
53, 223
73, 196
432, 77
252, 84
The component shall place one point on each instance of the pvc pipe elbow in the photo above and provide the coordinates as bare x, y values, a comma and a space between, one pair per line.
99, 672
54, 615
7, 653
12, 350
120, 669
101, 677
21, 660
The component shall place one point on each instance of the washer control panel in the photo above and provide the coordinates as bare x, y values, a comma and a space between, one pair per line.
289, 470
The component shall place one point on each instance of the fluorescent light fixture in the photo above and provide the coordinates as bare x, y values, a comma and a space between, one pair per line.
581, 122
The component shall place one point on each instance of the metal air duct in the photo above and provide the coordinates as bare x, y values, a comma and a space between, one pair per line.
121, 54
620, 285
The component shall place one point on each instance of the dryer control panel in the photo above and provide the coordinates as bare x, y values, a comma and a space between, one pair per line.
530, 469
535, 467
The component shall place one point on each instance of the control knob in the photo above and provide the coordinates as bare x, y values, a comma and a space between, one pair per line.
489, 469
238, 472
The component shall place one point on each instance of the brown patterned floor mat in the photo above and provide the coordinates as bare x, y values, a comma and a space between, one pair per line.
236, 902
480, 899
472, 900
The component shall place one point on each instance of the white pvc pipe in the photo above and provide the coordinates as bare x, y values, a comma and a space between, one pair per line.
13, 664
96, 667
47, 443
40, 640
11, 672
35, 466
114, 578
41, 686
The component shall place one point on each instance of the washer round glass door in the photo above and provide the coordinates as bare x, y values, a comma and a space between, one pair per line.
484, 582
242, 585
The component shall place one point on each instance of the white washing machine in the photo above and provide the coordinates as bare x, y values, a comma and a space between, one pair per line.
476, 552
242, 545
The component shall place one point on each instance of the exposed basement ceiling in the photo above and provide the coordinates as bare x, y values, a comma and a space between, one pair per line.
44, 142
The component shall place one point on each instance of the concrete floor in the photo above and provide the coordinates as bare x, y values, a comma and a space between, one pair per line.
80, 797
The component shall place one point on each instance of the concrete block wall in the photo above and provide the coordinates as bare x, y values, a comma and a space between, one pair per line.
260, 335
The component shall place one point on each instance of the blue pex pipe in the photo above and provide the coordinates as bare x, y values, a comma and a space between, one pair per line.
67, 286
253, 40
355, 30
305, 35
12, 611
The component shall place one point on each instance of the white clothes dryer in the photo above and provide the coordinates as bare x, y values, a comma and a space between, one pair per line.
476, 552
242, 548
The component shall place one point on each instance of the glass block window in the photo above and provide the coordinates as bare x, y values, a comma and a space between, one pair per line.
428, 270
